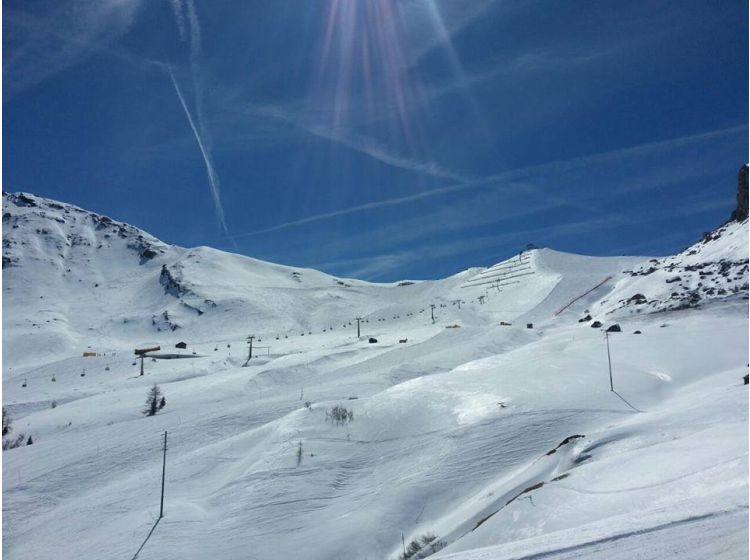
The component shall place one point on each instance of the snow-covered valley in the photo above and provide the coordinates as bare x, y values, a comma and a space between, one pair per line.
484, 425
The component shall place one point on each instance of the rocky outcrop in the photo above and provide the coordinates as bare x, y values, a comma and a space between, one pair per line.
171, 285
740, 213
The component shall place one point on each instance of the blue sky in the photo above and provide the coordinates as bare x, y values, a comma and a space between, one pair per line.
383, 139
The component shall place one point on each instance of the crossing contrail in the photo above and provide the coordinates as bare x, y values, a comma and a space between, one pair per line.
213, 178
185, 10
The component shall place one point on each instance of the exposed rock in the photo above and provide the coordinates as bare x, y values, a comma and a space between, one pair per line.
614, 328
596, 324
171, 285
163, 322
21, 199
740, 213
566, 441
148, 254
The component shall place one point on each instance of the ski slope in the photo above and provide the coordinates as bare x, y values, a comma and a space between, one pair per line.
500, 440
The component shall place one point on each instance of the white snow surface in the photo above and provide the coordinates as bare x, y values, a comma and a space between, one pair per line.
501, 441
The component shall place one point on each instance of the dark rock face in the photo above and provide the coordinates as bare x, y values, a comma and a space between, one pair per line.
21, 199
614, 328
148, 254
596, 324
163, 322
171, 282
740, 213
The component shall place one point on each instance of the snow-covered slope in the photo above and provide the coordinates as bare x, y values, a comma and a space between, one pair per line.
499, 440
715, 268
75, 280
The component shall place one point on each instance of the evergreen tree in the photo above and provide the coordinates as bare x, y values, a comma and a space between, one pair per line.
152, 401
6, 422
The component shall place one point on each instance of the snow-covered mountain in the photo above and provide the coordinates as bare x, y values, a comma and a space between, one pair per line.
491, 425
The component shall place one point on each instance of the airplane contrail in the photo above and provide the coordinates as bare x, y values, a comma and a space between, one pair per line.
500, 179
197, 124
179, 17
213, 178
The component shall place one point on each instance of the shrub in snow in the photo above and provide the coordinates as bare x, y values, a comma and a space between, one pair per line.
11, 443
340, 415
153, 400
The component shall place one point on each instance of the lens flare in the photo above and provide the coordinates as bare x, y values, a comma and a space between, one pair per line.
362, 78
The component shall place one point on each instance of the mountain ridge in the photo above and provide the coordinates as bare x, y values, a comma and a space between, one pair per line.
171, 291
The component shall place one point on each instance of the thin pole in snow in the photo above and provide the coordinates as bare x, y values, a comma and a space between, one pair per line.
358, 320
609, 361
163, 473
403, 544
